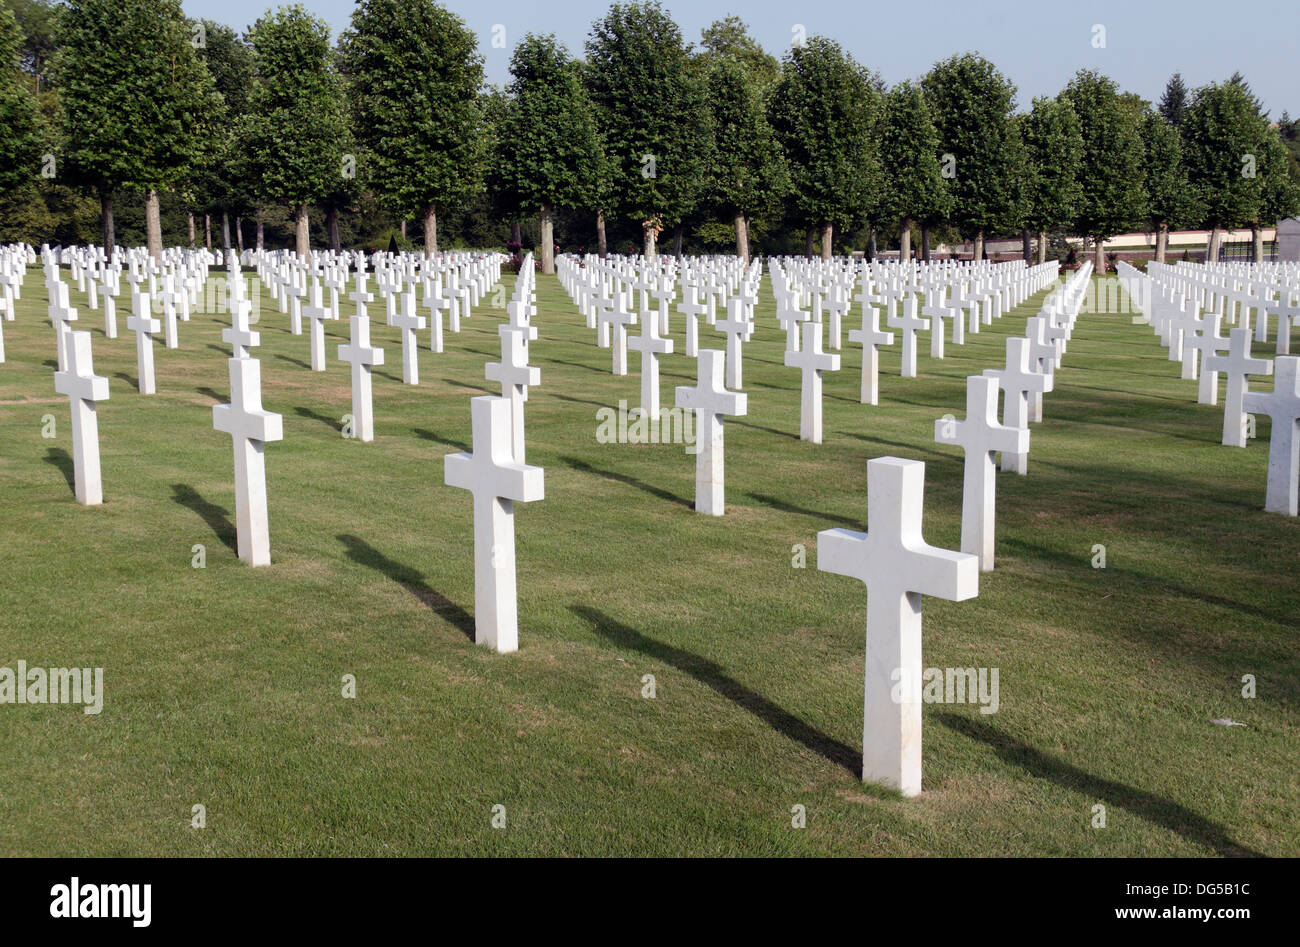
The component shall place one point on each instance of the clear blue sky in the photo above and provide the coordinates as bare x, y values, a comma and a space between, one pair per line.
1038, 45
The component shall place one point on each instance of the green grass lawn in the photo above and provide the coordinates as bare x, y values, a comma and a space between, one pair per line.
223, 685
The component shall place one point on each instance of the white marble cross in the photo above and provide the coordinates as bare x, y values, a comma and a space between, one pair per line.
84, 388
812, 361
497, 482
1207, 344
1237, 364
144, 326
738, 329
619, 320
250, 427
515, 375
651, 345
710, 401
240, 335
898, 567
168, 298
692, 308
360, 295
1282, 404
62, 315
908, 324
363, 358
436, 302
980, 435
409, 322
870, 337
1018, 380
316, 313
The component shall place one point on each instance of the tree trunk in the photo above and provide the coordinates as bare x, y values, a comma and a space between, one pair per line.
332, 219
979, 247
153, 223
106, 210
402, 229
225, 229
190, 215
742, 238
905, 239
925, 244
828, 239
430, 230
1212, 247
872, 253
1042, 246
261, 234
207, 231
239, 233
516, 234
1099, 254
808, 236
1256, 243
649, 248
678, 233
303, 229
1162, 243
1026, 247
548, 238
601, 246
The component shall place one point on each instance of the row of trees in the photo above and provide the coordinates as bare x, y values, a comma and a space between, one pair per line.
114, 96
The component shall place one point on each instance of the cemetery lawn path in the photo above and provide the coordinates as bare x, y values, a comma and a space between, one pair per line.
223, 684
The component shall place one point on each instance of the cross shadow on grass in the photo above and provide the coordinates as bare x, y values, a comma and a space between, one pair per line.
213, 394
713, 676
778, 504
1161, 812
362, 553
438, 439
584, 467
217, 518
294, 361
58, 457
129, 379
317, 416
463, 384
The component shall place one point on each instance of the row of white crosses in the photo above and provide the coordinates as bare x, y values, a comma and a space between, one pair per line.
1185, 308
898, 567
495, 472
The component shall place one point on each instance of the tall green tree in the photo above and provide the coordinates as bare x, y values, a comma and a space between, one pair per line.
826, 111
650, 110
1114, 198
1280, 191
37, 23
909, 153
138, 102
20, 125
295, 131
1169, 200
729, 38
971, 103
414, 74
1223, 137
1173, 102
221, 184
747, 176
549, 151
1054, 158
